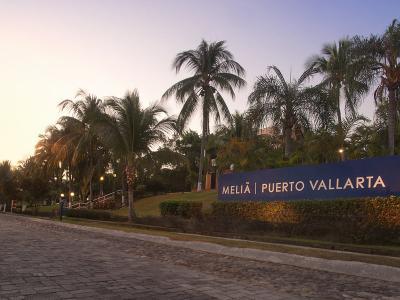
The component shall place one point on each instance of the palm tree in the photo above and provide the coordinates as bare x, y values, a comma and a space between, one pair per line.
130, 131
383, 56
286, 104
214, 71
82, 136
240, 127
45, 151
342, 75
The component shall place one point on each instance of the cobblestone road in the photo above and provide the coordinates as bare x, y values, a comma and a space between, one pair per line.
46, 261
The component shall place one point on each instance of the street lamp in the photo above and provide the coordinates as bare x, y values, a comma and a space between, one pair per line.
341, 153
72, 194
101, 185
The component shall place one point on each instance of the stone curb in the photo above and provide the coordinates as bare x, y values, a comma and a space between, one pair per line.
352, 268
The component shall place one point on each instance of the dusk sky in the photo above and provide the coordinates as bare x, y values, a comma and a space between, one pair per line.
50, 49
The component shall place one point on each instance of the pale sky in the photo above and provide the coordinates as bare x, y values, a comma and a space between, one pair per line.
50, 49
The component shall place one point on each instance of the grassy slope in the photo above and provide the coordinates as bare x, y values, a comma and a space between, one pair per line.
150, 206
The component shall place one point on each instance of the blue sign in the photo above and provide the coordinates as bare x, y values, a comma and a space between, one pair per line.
370, 177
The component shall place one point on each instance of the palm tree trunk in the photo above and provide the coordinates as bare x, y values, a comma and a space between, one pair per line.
201, 163
91, 192
91, 184
131, 209
287, 135
339, 113
392, 120
123, 188
91, 175
202, 150
130, 173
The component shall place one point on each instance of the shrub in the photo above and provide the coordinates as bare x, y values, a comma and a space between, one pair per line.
358, 220
88, 214
109, 203
185, 209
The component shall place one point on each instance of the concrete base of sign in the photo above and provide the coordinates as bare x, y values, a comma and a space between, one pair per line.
353, 268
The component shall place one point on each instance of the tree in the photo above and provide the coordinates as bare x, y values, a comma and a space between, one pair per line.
7, 182
34, 187
240, 127
286, 104
382, 54
189, 144
130, 131
83, 137
214, 71
342, 75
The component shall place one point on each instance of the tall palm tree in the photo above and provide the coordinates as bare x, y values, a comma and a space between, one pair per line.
214, 71
45, 148
85, 110
130, 131
342, 75
286, 104
383, 56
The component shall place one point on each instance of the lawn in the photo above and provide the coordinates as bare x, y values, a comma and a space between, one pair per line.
150, 206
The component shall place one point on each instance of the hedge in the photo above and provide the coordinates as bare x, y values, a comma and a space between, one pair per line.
88, 214
185, 209
356, 219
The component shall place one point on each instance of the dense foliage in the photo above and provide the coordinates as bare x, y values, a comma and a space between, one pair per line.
184, 209
356, 220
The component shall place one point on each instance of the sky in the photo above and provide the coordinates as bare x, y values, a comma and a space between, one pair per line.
50, 49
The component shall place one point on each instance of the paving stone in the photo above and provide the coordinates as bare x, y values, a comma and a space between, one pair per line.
48, 261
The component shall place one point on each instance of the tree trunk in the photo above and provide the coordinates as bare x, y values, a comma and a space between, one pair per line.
91, 175
123, 187
201, 164
392, 121
339, 113
91, 181
130, 173
131, 209
287, 135
202, 150
91, 193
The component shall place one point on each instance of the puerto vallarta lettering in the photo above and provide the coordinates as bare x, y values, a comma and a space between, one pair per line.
316, 185
369, 177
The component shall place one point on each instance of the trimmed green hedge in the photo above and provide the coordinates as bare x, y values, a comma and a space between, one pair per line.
184, 209
88, 214
371, 219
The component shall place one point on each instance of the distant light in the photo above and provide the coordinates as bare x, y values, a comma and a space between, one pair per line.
114, 175
55, 178
341, 150
62, 195
213, 162
101, 178
72, 194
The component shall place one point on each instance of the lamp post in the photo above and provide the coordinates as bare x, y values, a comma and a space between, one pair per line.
101, 185
72, 194
341, 153
62, 203
114, 188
